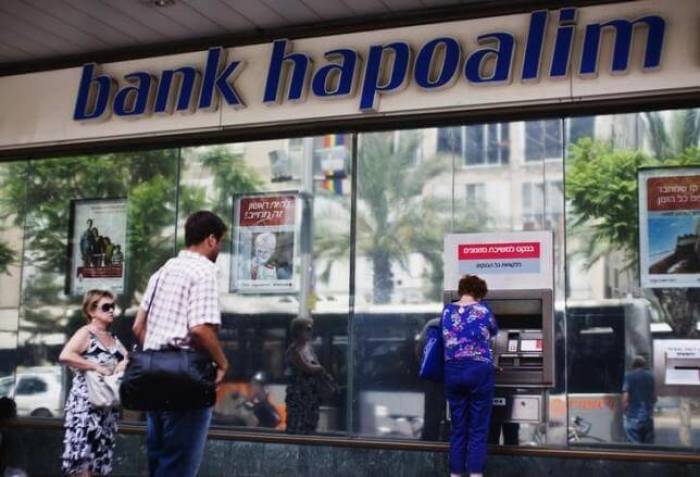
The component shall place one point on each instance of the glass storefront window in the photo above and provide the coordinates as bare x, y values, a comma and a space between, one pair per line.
136, 229
313, 252
12, 203
621, 333
577, 177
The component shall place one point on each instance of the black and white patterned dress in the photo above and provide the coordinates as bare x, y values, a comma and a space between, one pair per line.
90, 432
302, 396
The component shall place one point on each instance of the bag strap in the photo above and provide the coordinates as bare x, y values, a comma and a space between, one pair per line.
136, 346
153, 297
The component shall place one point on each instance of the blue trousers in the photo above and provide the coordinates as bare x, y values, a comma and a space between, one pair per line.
469, 389
175, 441
639, 430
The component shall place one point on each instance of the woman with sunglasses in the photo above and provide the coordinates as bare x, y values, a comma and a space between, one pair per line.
91, 431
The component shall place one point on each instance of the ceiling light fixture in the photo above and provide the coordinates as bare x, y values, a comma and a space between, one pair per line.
163, 3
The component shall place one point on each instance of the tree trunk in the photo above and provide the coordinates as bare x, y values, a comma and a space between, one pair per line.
382, 278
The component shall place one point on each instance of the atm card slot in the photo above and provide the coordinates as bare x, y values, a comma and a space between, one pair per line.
531, 362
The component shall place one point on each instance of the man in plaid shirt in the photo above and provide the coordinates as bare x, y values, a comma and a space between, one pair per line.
184, 314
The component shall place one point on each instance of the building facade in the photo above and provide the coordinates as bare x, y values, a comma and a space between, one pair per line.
376, 145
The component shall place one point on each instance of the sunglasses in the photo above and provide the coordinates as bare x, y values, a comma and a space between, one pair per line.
107, 307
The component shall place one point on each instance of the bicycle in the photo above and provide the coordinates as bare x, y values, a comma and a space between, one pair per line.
579, 430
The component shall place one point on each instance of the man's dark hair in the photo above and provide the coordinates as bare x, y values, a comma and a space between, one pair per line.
472, 285
201, 225
639, 362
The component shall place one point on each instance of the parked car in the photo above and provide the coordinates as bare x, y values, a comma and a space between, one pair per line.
38, 391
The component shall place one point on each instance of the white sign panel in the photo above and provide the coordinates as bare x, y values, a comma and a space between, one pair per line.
677, 367
507, 261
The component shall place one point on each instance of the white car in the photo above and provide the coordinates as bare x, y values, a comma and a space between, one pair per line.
38, 391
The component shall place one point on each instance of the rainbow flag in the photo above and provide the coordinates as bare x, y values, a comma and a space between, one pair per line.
333, 184
333, 181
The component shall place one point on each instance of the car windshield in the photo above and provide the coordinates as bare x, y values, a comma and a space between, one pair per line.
5, 385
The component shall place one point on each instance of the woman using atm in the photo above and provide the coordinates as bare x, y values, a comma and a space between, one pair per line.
467, 329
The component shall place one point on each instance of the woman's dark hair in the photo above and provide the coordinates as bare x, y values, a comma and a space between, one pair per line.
201, 225
472, 285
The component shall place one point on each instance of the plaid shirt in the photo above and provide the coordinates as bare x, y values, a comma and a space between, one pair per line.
187, 296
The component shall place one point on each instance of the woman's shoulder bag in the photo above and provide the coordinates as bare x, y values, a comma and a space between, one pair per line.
103, 391
432, 365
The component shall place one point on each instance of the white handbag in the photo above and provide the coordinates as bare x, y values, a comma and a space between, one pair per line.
103, 391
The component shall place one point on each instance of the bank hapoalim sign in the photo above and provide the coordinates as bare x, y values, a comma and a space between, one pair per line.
345, 71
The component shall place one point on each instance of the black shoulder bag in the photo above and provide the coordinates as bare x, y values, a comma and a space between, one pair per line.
168, 380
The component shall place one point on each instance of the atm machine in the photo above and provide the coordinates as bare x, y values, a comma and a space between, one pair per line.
523, 350
518, 269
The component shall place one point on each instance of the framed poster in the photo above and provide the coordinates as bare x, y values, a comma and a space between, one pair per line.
97, 245
265, 242
669, 227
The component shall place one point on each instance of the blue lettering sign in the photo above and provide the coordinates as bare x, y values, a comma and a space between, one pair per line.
533, 48
503, 58
219, 79
389, 67
562, 45
133, 100
623, 44
301, 69
184, 81
399, 56
344, 72
93, 104
450, 63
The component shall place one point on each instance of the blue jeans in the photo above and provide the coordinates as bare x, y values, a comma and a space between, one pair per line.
639, 430
469, 387
175, 441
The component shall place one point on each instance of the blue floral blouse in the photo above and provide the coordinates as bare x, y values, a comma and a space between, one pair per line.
467, 331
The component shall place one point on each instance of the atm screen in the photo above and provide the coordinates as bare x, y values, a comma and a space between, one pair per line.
530, 345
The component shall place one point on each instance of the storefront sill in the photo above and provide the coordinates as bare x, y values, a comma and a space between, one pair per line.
597, 453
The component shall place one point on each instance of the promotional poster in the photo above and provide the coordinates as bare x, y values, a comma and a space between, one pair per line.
97, 245
264, 235
669, 227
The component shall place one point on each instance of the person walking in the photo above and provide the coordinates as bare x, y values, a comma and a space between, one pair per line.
90, 431
638, 398
467, 329
184, 314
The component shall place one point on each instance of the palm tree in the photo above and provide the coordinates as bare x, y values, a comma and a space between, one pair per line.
394, 218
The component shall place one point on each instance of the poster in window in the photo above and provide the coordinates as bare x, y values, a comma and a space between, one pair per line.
265, 240
669, 227
97, 245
